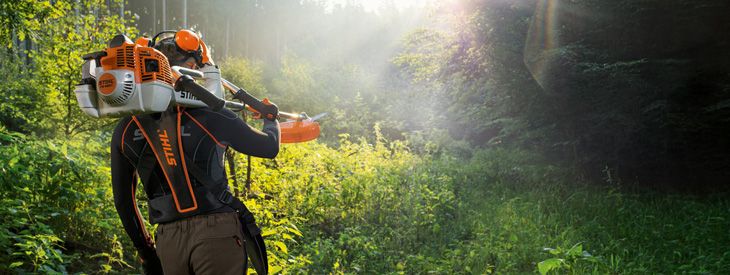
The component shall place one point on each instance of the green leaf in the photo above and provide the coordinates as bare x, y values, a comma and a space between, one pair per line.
576, 250
294, 231
275, 269
16, 264
268, 232
13, 161
286, 236
281, 246
552, 251
548, 265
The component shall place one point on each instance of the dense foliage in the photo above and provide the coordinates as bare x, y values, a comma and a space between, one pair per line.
373, 208
57, 209
444, 150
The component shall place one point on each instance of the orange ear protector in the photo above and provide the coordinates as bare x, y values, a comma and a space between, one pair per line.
187, 41
190, 43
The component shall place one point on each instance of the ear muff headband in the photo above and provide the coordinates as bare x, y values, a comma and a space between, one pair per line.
153, 41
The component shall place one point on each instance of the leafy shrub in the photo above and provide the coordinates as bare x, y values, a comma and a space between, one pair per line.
57, 207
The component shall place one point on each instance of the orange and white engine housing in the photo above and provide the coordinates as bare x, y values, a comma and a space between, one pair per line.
133, 79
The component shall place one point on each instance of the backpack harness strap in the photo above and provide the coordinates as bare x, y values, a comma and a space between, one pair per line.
168, 157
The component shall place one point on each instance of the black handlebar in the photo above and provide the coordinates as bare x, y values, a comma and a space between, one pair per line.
249, 100
187, 83
94, 55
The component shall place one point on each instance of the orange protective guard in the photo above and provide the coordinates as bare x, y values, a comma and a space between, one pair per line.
299, 131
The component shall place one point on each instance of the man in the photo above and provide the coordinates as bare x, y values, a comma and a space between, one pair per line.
178, 156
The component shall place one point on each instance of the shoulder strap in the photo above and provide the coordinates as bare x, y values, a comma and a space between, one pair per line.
162, 136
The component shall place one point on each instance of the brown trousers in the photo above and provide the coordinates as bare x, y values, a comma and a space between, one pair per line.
204, 244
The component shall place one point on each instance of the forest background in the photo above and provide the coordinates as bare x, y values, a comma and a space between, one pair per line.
463, 136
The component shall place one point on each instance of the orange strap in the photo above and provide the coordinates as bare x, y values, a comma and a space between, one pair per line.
205, 130
167, 177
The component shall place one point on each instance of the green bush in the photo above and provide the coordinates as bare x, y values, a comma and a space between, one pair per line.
56, 205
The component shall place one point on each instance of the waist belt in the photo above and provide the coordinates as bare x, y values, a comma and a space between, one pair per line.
162, 208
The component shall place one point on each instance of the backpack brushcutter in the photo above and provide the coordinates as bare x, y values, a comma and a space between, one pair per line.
133, 78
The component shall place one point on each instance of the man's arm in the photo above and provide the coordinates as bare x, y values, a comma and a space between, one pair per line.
230, 129
124, 184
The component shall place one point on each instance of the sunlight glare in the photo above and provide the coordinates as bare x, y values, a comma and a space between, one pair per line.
376, 6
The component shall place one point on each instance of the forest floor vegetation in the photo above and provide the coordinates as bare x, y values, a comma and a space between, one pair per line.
373, 208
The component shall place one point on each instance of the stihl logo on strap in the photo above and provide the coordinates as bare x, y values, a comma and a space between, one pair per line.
165, 141
168, 151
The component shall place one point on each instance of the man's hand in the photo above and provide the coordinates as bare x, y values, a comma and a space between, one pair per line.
150, 262
270, 110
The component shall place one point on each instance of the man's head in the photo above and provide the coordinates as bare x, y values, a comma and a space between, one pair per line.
185, 49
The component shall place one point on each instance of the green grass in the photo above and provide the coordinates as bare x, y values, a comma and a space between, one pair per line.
377, 208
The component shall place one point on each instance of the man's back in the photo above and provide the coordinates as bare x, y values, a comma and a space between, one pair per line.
200, 136
205, 135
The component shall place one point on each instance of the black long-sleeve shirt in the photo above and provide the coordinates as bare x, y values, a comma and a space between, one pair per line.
205, 136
